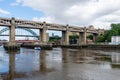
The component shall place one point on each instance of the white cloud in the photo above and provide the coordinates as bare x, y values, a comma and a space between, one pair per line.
47, 19
100, 24
4, 11
77, 12
16, 3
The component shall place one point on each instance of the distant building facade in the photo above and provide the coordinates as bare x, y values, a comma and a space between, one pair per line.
115, 40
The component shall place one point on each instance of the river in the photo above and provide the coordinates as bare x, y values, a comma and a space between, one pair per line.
60, 64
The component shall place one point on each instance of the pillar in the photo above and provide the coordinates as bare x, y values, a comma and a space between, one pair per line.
65, 36
94, 37
43, 35
82, 37
12, 32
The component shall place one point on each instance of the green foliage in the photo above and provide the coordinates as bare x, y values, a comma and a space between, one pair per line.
115, 31
90, 37
73, 37
54, 39
100, 38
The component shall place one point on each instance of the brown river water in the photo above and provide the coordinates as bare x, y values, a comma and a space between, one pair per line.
60, 64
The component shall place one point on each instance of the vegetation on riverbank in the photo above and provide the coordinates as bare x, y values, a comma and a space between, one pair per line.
114, 31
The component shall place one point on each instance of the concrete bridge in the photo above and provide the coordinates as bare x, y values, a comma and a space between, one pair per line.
13, 23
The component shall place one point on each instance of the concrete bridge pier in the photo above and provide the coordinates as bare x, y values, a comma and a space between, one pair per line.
65, 37
43, 34
82, 37
12, 45
12, 32
94, 37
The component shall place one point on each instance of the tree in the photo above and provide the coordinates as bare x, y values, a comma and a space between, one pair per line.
90, 37
73, 37
54, 38
100, 38
115, 31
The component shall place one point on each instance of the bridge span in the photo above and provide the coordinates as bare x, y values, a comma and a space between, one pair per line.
13, 23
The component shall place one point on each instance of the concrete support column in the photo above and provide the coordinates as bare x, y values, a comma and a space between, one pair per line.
94, 37
65, 37
12, 32
82, 37
43, 35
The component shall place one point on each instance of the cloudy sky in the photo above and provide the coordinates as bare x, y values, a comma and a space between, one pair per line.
100, 13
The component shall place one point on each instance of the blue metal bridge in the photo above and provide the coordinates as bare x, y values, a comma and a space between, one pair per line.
20, 32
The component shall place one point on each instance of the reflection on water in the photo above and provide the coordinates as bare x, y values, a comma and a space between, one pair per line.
60, 64
43, 61
65, 55
116, 58
11, 65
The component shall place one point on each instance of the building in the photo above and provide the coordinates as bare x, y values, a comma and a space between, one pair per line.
115, 40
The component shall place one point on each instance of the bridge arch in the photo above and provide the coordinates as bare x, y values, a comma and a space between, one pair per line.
26, 29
